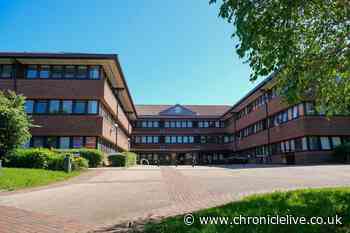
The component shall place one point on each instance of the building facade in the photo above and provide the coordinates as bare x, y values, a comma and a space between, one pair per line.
82, 100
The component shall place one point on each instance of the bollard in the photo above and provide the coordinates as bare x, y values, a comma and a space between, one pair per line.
67, 164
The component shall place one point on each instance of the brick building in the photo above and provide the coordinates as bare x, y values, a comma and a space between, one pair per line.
82, 100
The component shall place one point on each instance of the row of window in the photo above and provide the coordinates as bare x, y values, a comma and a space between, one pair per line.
179, 124
261, 100
279, 118
64, 142
61, 106
204, 139
63, 71
187, 156
310, 143
6, 71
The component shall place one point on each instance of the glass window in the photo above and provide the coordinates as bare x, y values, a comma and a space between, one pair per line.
173, 139
179, 139
191, 139
167, 139
79, 107
137, 139
44, 72
144, 139
206, 124
69, 72
155, 124
32, 71
52, 142
200, 124
78, 142
6, 71
54, 106
67, 106
336, 141
178, 124
217, 124
90, 142
150, 124
189, 124
183, 124
64, 142
149, 139
94, 72
41, 106
38, 142
166, 124
304, 143
310, 108
29, 106
314, 143
92, 107
325, 143
185, 139
82, 72
144, 124
172, 124
57, 71
155, 139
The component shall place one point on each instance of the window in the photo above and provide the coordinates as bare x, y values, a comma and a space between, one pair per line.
67, 106
167, 125
41, 106
90, 142
38, 142
64, 142
155, 139
92, 107
54, 106
79, 107
172, 124
179, 139
155, 124
94, 72
44, 72
29, 106
6, 71
52, 142
336, 141
295, 112
206, 124
304, 142
191, 139
183, 124
314, 143
149, 139
325, 143
77, 142
173, 139
57, 72
82, 72
32, 71
167, 139
309, 108
69, 72
185, 139
189, 124
144, 139
149, 124
178, 124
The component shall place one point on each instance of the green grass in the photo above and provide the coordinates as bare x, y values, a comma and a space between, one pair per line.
18, 178
308, 203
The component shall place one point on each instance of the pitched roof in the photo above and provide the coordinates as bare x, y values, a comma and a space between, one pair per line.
200, 110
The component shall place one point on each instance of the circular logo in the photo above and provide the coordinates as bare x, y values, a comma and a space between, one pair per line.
188, 219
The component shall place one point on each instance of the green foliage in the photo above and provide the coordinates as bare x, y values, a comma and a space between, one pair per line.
342, 153
117, 160
125, 159
130, 158
14, 122
43, 159
17, 178
308, 42
94, 157
309, 203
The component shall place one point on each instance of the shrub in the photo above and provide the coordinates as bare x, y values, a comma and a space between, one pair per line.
30, 158
117, 160
94, 157
125, 159
342, 152
79, 163
130, 158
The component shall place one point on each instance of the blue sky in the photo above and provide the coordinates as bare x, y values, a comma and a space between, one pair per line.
171, 51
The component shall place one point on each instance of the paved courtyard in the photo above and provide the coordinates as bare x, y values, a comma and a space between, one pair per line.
110, 196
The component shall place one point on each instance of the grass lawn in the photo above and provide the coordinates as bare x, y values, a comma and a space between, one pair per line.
17, 178
311, 202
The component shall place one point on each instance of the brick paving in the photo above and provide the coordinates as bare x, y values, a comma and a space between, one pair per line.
107, 200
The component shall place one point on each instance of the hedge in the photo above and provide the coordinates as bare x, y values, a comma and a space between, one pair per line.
42, 158
342, 153
94, 157
125, 159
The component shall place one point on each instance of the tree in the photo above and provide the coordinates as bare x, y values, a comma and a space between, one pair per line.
307, 42
14, 122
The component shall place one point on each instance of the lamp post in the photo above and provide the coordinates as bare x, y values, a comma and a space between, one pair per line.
116, 135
